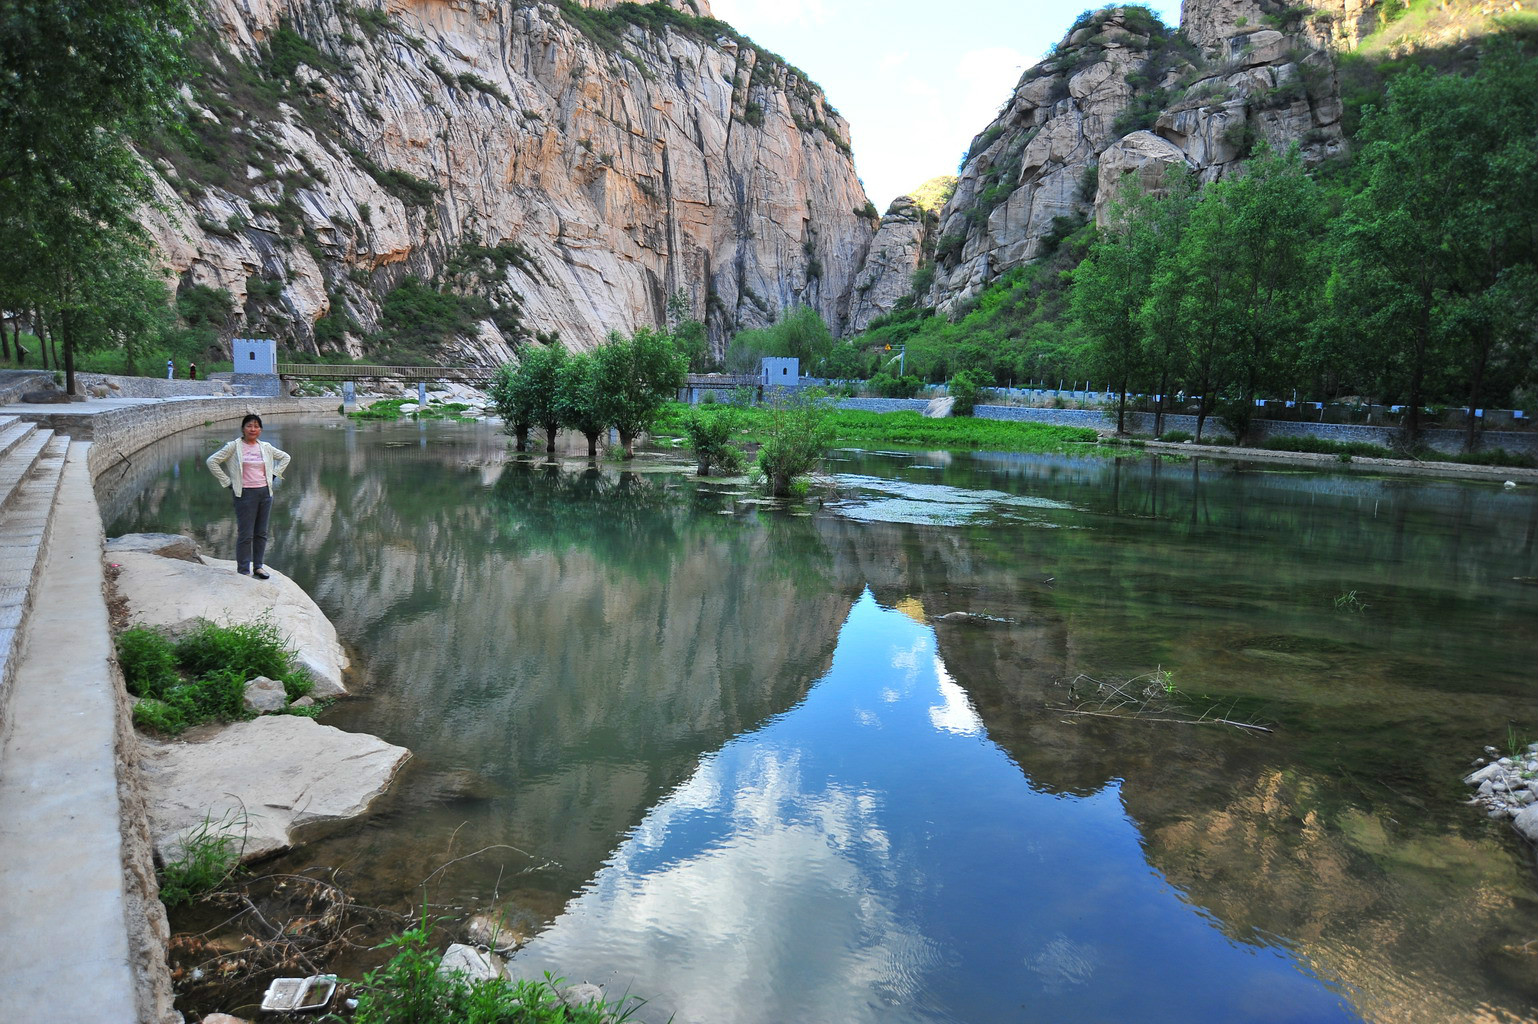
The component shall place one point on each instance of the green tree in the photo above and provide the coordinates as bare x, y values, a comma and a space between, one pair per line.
511, 405
800, 333
577, 401
634, 377
1244, 281
77, 77
799, 430
688, 333
1108, 291
964, 388
1436, 248
710, 433
536, 388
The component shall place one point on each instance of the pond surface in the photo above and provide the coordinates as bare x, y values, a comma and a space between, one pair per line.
940, 745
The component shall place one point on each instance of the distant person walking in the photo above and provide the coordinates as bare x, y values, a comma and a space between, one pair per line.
192, 371
261, 467
170, 369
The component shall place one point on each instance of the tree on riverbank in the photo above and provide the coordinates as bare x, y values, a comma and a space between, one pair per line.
76, 77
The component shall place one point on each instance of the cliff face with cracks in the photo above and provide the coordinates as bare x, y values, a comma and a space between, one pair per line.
569, 167
1121, 96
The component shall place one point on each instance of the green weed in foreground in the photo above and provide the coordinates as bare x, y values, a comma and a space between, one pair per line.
210, 854
202, 677
409, 990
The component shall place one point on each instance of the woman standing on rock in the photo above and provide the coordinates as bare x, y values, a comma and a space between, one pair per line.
261, 467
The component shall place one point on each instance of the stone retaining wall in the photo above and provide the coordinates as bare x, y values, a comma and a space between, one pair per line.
157, 387
118, 433
1447, 441
15, 383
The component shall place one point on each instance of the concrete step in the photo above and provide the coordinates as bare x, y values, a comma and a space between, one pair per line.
13, 431
16, 464
23, 545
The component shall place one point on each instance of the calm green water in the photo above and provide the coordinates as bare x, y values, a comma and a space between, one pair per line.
748, 763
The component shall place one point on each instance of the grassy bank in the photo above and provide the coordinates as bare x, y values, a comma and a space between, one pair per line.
905, 430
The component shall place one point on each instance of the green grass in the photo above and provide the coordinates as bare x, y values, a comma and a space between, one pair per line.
210, 854
389, 410
203, 676
909, 430
410, 989
1488, 457
1320, 446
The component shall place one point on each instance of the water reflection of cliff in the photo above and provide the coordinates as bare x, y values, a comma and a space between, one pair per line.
574, 637
1366, 868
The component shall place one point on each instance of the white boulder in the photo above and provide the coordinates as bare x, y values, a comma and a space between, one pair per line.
264, 778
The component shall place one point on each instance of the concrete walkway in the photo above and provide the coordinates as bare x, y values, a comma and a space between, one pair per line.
74, 898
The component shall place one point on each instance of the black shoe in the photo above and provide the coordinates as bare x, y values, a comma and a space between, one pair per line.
244, 572
260, 575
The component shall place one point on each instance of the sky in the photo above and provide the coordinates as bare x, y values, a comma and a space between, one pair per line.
915, 79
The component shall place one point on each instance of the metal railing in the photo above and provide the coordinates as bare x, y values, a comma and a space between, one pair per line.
327, 371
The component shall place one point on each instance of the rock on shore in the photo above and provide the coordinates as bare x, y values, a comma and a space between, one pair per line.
268, 777
1508, 788
275, 780
167, 583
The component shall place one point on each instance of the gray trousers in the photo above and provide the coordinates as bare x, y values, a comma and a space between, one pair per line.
252, 507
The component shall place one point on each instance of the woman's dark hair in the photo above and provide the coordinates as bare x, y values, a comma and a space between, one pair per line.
251, 417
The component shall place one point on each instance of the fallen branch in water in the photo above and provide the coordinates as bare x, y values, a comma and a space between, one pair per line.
1176, 721
1146, 698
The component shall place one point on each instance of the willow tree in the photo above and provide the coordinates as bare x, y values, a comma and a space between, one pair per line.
633, 378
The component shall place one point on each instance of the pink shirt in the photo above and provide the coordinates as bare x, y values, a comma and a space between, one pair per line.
253, 471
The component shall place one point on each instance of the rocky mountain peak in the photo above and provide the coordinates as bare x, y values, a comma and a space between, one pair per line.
1123, 95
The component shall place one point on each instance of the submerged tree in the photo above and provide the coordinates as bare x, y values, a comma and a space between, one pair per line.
798, 432
576, 399
509, 403
634, 377
710, 435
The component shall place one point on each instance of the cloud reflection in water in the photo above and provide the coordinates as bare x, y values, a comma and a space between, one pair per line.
871, 856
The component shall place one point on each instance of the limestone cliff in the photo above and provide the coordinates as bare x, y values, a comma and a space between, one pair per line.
555, 167
905, 239
1120, 95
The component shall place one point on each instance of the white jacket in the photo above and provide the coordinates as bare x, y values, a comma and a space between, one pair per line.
275, 459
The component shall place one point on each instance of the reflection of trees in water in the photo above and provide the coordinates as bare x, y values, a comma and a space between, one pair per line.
578, 637
623, 518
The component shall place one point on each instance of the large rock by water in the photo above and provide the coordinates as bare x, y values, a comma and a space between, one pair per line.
268, 777
167, 590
